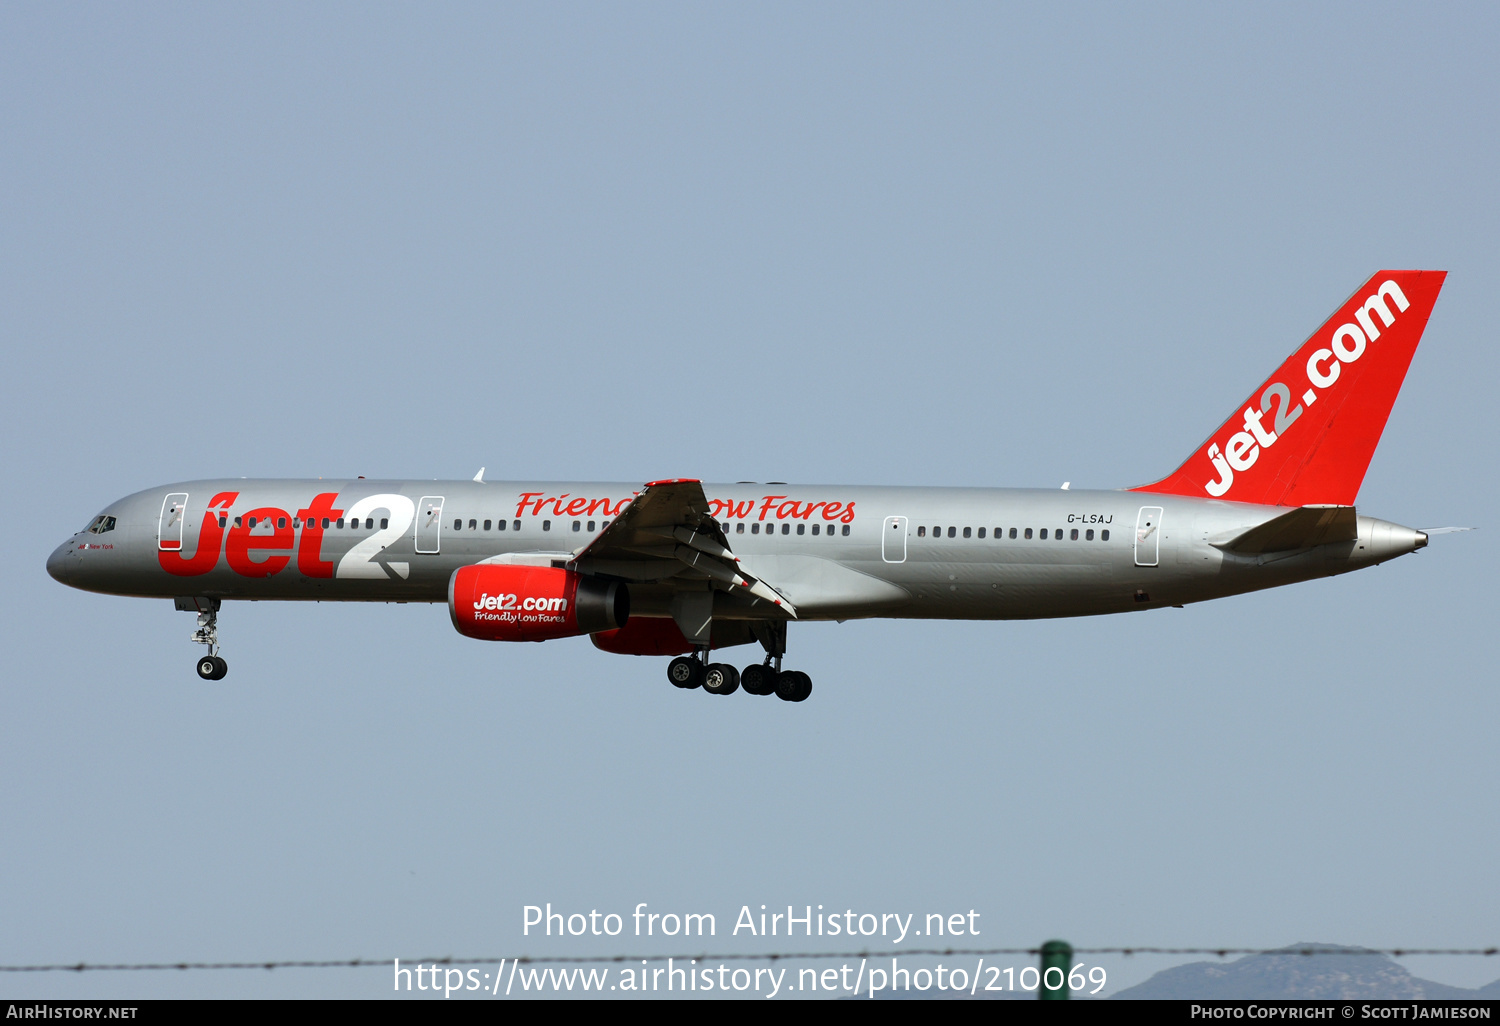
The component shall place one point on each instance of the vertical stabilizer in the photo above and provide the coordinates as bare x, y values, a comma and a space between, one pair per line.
1306, 436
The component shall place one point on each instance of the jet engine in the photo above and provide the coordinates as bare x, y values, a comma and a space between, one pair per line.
498, 602
645, 636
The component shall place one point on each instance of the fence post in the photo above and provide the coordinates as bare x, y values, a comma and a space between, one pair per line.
1056, 954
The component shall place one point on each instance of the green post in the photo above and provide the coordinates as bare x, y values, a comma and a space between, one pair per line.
1056, 954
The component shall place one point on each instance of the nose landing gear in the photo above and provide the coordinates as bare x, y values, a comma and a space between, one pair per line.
211, 666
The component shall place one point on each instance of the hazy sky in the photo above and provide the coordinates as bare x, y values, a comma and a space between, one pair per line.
844, 243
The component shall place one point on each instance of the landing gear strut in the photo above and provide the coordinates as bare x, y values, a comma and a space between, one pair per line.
211, 666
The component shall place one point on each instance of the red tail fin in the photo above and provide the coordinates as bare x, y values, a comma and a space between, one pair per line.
1306, 436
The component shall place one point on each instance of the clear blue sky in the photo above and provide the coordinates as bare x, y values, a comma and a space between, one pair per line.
964, 244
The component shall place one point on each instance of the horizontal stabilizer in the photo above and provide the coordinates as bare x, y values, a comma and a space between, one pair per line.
1302, 528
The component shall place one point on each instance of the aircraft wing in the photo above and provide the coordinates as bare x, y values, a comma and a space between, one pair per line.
1300, 528
668, 532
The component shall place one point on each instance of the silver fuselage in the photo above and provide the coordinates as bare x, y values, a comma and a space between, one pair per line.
836, 552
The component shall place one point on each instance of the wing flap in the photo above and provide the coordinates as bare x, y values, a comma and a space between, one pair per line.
667, 530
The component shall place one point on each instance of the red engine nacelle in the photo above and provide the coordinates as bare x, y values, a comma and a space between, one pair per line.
645, 636
533, 603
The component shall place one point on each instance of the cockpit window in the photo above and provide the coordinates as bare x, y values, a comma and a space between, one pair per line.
101, 525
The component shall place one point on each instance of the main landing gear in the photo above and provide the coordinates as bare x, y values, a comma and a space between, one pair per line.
695, 671
211, 666
756, 679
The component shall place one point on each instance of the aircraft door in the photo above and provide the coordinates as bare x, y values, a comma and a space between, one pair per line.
429, 524
169, 527
1148, 536
893, 540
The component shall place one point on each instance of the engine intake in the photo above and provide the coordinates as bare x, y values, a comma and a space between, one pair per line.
533, 603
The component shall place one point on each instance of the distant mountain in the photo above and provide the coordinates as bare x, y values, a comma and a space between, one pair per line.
1286, 974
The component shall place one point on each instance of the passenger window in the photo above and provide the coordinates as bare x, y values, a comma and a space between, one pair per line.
1075, 534
604, 525
786, 528
1028, 533
296, 522
1044, 534
1104, 535
338, 525
325, 523
546, 525
1058, 534
516, 526
952, 531
981, 532
921, 532
369, 523
472, 525
1013, 533
815, 528
577, 526
252, 523
486, 525
1088, 535
739, 528
500, 524
846, 530
280, 522
222, 522
801, 528
591, 527
755, 528
966, 533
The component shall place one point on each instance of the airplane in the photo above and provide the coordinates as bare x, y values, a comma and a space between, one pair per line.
676, 568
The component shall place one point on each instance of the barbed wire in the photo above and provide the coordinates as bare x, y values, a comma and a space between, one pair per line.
772, 956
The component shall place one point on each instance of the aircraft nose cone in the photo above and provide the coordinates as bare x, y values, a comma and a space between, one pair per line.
63, 564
